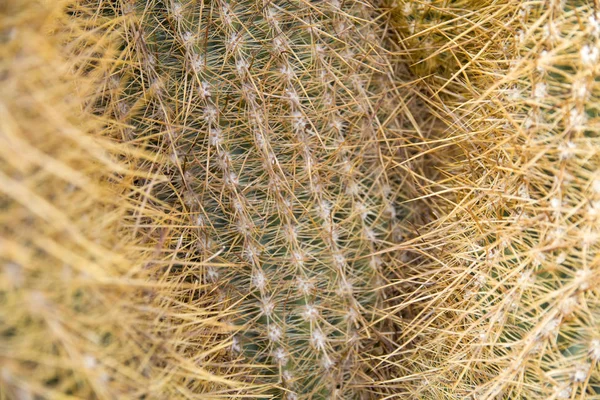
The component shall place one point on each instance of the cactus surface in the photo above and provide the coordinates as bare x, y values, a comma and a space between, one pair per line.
91, 303
505, 259
274, 115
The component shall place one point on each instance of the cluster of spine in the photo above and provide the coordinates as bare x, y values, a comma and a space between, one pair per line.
274, 117
502, 300
216, 200
89, 306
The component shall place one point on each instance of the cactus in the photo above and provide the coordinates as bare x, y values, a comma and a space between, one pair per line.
502, 299
274, 115
90, 305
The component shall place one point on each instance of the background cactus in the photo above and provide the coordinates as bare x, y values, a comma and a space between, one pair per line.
91, 303
502, 296
275, 116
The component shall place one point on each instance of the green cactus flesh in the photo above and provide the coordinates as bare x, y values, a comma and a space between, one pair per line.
273, 115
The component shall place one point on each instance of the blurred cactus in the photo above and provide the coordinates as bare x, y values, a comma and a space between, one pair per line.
90, 306
502, 299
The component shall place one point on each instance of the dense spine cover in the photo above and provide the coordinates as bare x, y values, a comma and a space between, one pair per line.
95, 301
507, 257
274, 116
